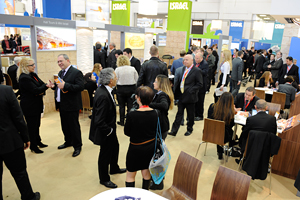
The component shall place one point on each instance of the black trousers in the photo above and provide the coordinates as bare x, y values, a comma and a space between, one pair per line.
108, 156
213, 79
199, 105
16, 163
190, 108
123, 100
33, 125
210, 76
71, 128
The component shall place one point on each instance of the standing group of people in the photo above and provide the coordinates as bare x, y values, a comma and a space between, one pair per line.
10, 45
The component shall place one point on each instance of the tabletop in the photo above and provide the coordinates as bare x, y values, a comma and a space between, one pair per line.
267, 90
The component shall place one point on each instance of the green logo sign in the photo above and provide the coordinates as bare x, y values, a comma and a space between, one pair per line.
120, 13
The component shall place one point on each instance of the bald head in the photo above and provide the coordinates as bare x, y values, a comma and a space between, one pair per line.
261, 105
188, 60
198, 58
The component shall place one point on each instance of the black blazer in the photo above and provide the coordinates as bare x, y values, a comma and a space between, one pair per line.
292, 72
91, 86
103, 118
161, 102
134, 62
13, 129
32, 90
12, 72
239, 102
4, 46
100, 57
71, 101
259, 64
111, 59
204, 71
263, 84
193, 83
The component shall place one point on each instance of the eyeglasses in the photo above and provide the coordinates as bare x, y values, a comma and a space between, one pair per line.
31, 65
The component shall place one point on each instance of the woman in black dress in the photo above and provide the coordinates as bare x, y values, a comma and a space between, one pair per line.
223, 110
32, 90
90, 85
141, 126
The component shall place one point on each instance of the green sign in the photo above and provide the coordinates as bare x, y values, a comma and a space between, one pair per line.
179, 17
120, 13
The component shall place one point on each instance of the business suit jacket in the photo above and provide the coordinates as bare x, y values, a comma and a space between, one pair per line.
100, 57
275, 69
268, 62
259, 64
204, 71
136, 63
176, 64
3, 44
211, 61
292, 72
13, 129
12, 72
111, 59
290, 92
103, 118
239, 102
32, 93
193, 82
71, 101
237, 69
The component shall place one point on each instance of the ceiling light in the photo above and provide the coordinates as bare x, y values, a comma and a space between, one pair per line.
166, 16
78, 15
262, 15
267, 18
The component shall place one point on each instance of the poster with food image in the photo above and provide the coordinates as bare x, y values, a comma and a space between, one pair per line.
135, 40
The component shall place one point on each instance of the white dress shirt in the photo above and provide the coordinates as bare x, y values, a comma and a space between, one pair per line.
58, 90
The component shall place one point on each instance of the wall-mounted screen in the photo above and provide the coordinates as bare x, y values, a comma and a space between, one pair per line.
134, 40
55, 39
235, 45
162, 40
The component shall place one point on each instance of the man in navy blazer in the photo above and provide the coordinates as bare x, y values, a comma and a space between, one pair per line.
103, 127
178, 63
288, 69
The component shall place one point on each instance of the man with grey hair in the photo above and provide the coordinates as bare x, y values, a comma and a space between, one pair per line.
111, 59
259, 122
68, 102
103, 128
12, 72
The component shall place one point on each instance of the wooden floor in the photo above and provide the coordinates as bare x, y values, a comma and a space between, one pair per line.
59, 176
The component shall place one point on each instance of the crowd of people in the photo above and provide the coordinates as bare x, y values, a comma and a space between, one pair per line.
147, 93
11, 44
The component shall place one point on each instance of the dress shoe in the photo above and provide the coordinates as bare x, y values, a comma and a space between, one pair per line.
121, 171
120, 123
36, 150
198, 118
171, 133
90, 116
220, 156
76, 152
108, 184
41, 145
63, 146
37, 196
182, 123
187, 133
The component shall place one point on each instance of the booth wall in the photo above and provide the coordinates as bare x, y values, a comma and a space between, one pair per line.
175, 43
115, 37
290, 30
46, 63
85, 53
138, 53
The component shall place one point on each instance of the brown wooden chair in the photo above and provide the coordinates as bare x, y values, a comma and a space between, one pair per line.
256, 83
260, 94
279, 97
185, 180
85, 101
295, 108
230, 185
213, 132
8, 80
273, 108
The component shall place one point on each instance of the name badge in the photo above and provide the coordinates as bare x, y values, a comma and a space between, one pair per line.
285, 76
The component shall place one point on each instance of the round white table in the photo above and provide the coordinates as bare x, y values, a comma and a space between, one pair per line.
127, 193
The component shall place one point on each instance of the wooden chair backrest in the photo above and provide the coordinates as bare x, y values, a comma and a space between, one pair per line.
85, 99
295, 108
186, 175
230, 184
273, 108
256, 83
8, 80
214, 131
279, 97
260, 94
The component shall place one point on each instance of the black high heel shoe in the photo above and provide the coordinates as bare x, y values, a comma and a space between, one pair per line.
41, 145
37, 150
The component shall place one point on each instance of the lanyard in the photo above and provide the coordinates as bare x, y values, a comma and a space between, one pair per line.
247, 103
36, 79
186, 73
144, 106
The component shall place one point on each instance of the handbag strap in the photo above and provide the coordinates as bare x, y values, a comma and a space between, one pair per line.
158, 132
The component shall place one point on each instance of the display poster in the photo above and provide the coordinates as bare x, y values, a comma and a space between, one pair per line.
134, 40
162, 40
120, 13
179, 17
236, 30
7, 7
277, 35
197, 26
55, 39
97, 10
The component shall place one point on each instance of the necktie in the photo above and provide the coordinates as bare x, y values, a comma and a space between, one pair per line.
183, 80
288, 69
207, 57
62, 74
246, 105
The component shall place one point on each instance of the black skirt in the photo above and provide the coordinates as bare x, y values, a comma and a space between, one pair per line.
139, 156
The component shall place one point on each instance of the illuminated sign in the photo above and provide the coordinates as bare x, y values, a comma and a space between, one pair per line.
119, 6
236, 24
279, 26
197, 23
179, 6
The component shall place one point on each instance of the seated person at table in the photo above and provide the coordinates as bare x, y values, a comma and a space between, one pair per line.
289, 90
223, 110
266, 80
259, 122
245, 101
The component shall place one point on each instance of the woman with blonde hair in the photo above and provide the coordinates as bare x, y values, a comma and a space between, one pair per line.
32, 90
225, 68
126, 85
96, 71
266, 80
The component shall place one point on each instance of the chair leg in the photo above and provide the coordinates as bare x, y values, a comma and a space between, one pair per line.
199, 148
83, 112
205, 149
241, 164
270, 165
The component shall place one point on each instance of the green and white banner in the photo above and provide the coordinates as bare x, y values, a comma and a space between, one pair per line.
120, 13
179, 17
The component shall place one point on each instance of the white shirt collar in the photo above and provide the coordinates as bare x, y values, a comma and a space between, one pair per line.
109, 89
130, 58
66, 70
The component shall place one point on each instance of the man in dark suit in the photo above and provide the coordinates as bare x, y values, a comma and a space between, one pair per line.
111, 59
259, 70
259, 122
13, 141
289, 91
178, 63
12, 72
99, 56
269, 63
187, 86
288, 69
134, 62
245, 101
237, 73
103, 128
68, 101
6, 45
105, 45
199, 106
276, 68
210, 59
